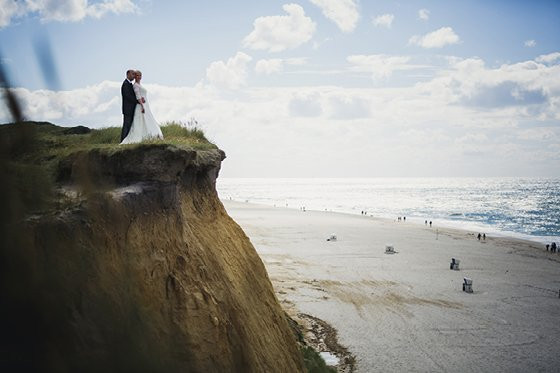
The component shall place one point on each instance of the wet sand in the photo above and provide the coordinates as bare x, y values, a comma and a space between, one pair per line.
407, 311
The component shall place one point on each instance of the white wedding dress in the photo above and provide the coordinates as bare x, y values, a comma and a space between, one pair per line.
144, 126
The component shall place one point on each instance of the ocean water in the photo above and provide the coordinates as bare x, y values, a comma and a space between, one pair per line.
526, 208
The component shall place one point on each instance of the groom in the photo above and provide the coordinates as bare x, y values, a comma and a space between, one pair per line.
128, 103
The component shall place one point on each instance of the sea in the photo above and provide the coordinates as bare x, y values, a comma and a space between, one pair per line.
527, 208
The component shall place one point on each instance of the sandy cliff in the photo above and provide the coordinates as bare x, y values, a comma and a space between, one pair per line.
139, 268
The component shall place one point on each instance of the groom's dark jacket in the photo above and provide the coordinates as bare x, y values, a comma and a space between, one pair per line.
128, 98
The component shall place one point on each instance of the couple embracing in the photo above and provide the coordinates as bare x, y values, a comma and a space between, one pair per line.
139, 123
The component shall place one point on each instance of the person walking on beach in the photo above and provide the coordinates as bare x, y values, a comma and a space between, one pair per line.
479, 236
484, 236
430, 223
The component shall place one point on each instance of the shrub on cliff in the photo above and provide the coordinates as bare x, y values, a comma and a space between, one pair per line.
174, 132
314, 363
181, 130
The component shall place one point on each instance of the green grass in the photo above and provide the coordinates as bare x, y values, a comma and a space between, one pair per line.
109, 135
30, 151
180, 130
52, 142
174, 133
314, 363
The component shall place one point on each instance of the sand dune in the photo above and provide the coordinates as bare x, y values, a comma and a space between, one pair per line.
407, 311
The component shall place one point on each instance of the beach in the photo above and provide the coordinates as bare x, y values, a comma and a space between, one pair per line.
407, 311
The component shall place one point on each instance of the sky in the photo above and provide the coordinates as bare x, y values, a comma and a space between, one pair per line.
311, 88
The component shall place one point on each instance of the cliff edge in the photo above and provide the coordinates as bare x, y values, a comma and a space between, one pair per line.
136, 266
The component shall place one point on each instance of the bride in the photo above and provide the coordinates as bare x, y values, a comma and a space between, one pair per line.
144, 126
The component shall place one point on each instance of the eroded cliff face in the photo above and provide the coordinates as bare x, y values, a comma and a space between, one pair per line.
141, 269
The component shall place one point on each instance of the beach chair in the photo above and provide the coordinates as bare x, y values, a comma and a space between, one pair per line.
454, 264
332, 237
467, 285
389, 249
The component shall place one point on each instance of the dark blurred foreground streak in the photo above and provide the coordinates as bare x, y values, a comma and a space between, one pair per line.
34, 336
11, 100
35, 332
22, 324
44, 54
36, 300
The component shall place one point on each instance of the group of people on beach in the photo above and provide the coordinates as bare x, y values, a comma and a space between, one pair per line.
399, 218
551, 247
404, 219
483, 236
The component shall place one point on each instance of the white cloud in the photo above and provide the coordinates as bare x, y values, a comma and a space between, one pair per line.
292, 130
342, 12
278, 33
424, 14
539, 134
69, 106
306, 105
380, 65
548, 58
62, 10
296, 61
269, 66
8, 10
274, 65
317, 44
441, 98
385, 20
436, 39
59, 10
98, 10
530, 43
519, 91
348, 107
229, 75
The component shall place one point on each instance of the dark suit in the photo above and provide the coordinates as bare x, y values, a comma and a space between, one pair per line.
128, 106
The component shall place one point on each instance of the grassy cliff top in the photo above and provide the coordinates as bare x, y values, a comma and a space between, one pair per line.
31, 152
43, 142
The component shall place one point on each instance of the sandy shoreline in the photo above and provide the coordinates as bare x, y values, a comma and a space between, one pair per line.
407, 311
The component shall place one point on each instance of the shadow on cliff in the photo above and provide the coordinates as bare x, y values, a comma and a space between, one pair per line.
124, 259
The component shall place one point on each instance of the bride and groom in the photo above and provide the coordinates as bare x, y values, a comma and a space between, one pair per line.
138, 121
